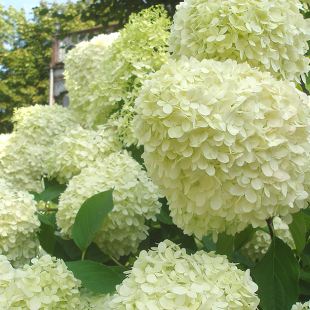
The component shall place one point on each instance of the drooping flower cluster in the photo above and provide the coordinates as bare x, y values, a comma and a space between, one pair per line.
135, 199
78, 148
46, 284
261, 240
83, 65
18, 225
122, 122
168, 278
225, 143
122, 67
300, 306
22, 158
270, 35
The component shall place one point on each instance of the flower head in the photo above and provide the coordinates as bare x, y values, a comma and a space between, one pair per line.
227, 144
300, 306
135, 199
23, 155
78, 148
270, 35
45, 284
166, 277
106, 79
18, 225
260, 242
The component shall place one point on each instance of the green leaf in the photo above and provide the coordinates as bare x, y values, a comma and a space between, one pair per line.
298, 231
120, 271
93, 253
208, 243
243, 237
46, 233
164, 215
277, 277
45, 219
225, 245
90, 217
53, 193
306, 216
36, 195
96, 277
305, 255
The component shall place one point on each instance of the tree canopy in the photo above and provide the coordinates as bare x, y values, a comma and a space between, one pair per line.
25, 53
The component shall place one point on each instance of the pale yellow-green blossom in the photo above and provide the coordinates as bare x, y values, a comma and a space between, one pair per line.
270, 35
45, 284
18, 225
23, 153
261, 240
301, 306
122, 122
135, 199
78, 148
101, 80
227, 144
166, 277
83, 64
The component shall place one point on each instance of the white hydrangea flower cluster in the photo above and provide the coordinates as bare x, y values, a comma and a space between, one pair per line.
78, 148
135, 199
168, 278
137, 51
83, 65
93, 301
46, 284
22, 158
260, 242
300, 306
227, 144
18, 225
270, 35
122, 121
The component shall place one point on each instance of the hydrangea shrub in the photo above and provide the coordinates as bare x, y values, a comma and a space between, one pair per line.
135, 199
270, 35
227, 144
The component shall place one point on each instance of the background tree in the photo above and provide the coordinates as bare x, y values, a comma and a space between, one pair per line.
25, 54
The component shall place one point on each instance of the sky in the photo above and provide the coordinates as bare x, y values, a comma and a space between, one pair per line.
27, 4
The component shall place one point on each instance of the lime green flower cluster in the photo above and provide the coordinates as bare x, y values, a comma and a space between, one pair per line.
227, 144
45, 284
78, 148
300, 306
83, 65
270, 35
140, 48
23, 153
135, 199
166, 277
18, 225
261, 240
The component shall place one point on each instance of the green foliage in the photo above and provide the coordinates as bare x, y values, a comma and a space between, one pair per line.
298, 231
90, 217
277, 277
106, 12
96, 277
24, 74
